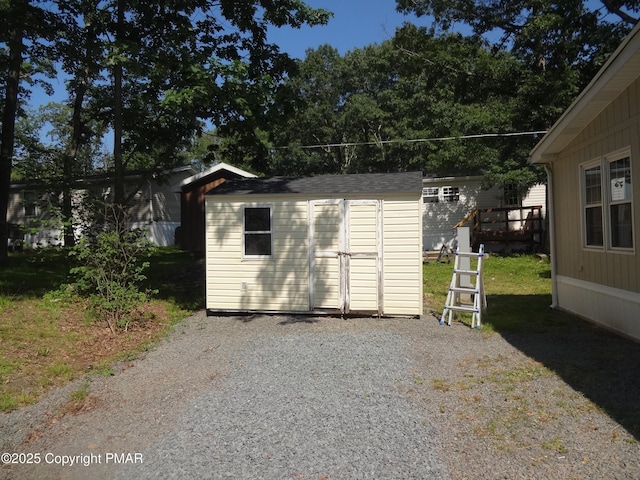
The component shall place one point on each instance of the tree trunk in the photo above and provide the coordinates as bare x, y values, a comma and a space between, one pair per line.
69, 161
118, 188
77, 124
8, 134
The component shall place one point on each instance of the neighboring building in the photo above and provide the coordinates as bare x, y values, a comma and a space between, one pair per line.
447, 201
592, 156
156, 206
334, 243
192, 194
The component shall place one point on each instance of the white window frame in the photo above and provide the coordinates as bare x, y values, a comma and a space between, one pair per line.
607, 200
257, 232
451, 194
30, 200
511, 196
430, 195
584, 206
612, 201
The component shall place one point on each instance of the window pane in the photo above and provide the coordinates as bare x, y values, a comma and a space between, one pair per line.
430, 195
257, 219
593, 222
451, 194
257, 244
621, 231
511, 197
593, 185
620, 175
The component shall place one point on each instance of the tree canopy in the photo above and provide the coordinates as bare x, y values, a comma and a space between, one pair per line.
152, 72
412, 102
157, 74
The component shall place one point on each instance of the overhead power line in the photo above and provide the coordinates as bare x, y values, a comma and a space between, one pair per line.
420, 140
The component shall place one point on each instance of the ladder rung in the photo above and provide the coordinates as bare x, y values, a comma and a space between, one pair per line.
467, 272
464, 290
461, 308
470, 254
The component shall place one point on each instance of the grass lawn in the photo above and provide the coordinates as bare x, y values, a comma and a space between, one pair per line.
48, 338
518, 290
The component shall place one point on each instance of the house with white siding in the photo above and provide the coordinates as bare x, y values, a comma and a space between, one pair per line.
447, 201
331, 243
155, 206
592, 158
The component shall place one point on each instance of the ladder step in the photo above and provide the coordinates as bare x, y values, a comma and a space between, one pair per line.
470, 254
462, 308
467, 272
464, 290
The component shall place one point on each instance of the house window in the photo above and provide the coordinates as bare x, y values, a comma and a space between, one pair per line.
511, 195
430, 195
607, 202
620, 203
593, 221
451, 194
30, 204
257, 232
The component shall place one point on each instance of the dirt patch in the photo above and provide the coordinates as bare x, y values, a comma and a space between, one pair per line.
42, 348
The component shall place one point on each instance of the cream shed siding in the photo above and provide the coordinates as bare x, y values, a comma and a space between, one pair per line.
349, 253
402, 256
279, 283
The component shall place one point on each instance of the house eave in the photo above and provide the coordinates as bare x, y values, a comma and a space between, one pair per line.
216, 168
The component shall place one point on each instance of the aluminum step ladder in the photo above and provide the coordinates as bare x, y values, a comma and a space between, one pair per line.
476, 290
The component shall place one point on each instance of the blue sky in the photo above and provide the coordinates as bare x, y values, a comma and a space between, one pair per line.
355, 23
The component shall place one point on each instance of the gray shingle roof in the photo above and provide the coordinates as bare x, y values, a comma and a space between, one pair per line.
355, 184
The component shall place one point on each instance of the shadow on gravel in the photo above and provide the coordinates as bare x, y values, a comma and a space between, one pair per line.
293, 319
603, 366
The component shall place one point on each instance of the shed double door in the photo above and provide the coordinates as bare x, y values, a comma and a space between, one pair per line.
345, 255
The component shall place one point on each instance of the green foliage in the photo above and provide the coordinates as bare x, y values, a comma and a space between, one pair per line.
111, 272
361, 112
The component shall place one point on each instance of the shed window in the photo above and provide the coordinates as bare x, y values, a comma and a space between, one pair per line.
257, 231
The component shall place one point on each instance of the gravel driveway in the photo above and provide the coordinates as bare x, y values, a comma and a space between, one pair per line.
325, 398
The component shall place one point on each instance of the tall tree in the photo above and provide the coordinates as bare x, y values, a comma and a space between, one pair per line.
560, 45
375, 108
25, 27
169, 66
179, 64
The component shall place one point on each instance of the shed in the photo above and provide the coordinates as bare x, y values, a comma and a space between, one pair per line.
192, 192
592, 158
330, 243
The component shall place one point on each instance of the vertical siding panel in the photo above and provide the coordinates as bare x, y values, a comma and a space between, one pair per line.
402, 256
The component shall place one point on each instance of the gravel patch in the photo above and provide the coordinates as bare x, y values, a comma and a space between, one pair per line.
326, 398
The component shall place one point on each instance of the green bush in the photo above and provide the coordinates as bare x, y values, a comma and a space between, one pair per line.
110, 272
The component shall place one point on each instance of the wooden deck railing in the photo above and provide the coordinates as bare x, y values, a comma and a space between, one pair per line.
506, 227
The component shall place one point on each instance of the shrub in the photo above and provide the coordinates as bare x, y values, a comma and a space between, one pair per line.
110, 272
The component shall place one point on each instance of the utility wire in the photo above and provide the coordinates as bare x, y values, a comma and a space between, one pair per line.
420, 140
